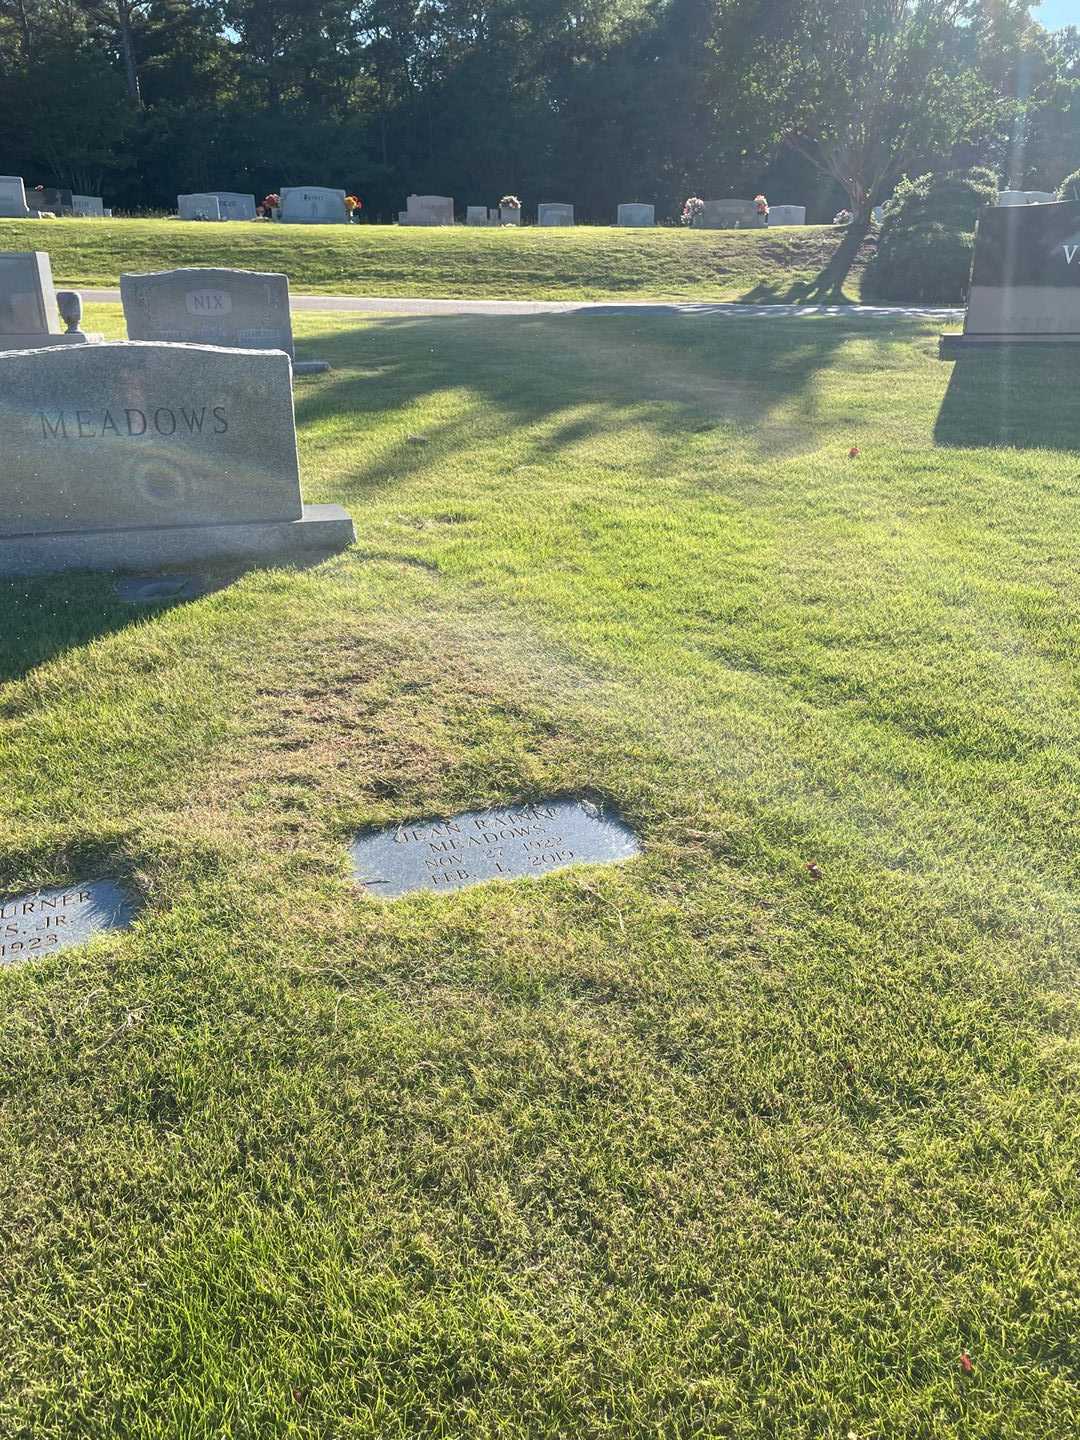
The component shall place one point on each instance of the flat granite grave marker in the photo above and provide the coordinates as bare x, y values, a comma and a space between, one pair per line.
46, 921
132, 455
1025, 278
483, 845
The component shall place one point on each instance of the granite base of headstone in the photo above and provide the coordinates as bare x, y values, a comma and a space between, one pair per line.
30, 311
1025, 279
137, 456
43, 922
206, 305
634, 213
445, 855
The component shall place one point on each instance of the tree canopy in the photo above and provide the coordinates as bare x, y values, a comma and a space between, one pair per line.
817, 102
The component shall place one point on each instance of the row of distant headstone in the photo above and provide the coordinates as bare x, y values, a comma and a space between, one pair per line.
14, 205
715, 214
313, 205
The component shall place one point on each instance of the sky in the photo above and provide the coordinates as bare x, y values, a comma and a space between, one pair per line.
1055, 13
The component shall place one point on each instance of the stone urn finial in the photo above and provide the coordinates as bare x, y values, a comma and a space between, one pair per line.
69, 303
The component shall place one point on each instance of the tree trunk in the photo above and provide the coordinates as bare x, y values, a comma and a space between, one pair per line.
836, 271
131, 69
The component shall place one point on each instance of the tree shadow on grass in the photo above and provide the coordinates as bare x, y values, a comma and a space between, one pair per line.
541, 383
1023, 397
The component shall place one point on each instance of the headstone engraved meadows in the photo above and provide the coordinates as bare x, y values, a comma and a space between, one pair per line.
132, 455
429, 210
90, 206
248, 309
29, 317
198, 207
483, 845
46, 921
554, 213
312, 205
1025, 278
635, 213
13, 204
787, 215
726, 215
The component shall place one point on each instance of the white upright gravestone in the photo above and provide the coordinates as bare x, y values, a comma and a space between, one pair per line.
129, 454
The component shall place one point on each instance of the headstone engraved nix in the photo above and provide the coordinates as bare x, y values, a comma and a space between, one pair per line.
130, 455
490, 845
206, 306
46, 921
1025, 278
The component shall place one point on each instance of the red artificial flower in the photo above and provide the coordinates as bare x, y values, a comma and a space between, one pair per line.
965, 1362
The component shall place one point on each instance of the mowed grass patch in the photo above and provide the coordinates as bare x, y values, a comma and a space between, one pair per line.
587, 262
706, 1144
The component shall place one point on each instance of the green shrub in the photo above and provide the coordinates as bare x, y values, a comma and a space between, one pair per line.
1069, 189
927, 237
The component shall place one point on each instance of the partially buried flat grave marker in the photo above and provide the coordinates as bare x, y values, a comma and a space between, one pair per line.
490, 845
46, 921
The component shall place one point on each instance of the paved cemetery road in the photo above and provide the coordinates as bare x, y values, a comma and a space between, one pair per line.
374, 305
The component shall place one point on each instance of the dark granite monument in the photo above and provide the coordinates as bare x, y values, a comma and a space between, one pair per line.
1025, 279
46, 921
490, 845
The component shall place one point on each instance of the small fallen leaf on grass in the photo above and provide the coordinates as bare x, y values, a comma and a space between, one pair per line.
853, 453
965, 1362
813, 869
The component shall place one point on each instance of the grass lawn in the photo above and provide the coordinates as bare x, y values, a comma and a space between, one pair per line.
583, 263
696, 1146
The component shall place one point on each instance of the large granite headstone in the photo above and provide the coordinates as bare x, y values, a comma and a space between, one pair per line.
128, 455
554, 213
726, 215
59, 202
483, 845
29, 317
635, 213
13, 204
248, 309
312, 205
198, 207
474, 215
787, 215
1025, 278
46, 921
234, 205
91, 206
428, 210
